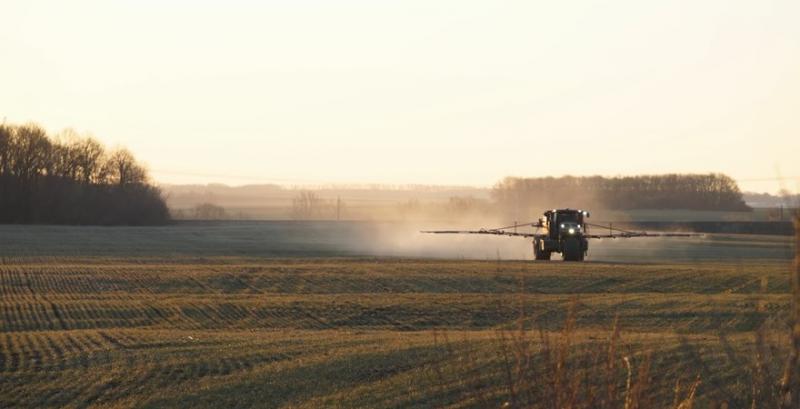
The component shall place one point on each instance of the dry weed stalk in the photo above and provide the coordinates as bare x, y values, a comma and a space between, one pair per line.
790, 382
563, 373
557, 372
688, 402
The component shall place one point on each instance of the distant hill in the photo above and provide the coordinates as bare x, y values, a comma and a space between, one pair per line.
361, 202
773, 201
428, 202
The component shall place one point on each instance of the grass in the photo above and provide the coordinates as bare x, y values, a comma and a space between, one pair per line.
239, 316
226, 331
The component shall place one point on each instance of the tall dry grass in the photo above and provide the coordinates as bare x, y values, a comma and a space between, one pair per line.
564, 370
790, 382
543, 370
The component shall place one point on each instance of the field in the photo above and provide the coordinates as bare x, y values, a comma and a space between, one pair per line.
86, 323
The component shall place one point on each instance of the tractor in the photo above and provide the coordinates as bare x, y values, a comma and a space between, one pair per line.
564, 231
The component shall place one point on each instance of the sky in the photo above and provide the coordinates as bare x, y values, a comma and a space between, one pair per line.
434, 92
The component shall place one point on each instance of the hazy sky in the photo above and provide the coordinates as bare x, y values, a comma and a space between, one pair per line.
453, 92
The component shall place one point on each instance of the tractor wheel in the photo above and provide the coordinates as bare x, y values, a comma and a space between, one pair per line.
538, 252
572, 251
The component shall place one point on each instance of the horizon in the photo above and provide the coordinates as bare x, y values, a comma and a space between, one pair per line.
388, 186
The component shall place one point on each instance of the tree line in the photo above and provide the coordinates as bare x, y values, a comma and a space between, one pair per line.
72, 179
671, 191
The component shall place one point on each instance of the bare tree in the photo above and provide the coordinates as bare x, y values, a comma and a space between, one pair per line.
88, 159
306, 205
78, 157
29, 152
63, 161
121, 169
208, 211
5, 143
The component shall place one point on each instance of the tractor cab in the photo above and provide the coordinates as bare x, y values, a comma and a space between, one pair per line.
564, 222
565, 230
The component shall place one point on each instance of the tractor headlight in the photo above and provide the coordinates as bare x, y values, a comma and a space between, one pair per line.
562, 225
571, 231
